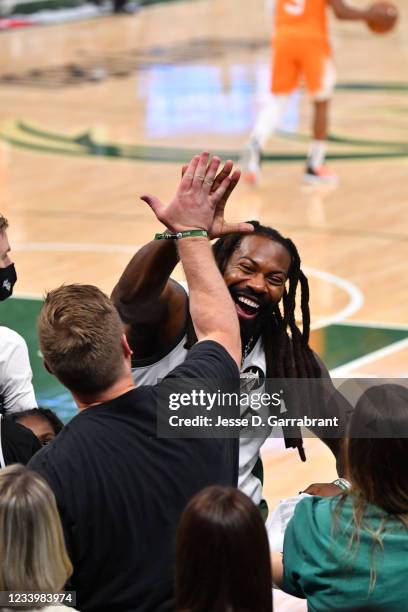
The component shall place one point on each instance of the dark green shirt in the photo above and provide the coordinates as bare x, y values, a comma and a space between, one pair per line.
319, 564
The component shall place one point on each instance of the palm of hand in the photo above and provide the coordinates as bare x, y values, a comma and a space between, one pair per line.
200, 199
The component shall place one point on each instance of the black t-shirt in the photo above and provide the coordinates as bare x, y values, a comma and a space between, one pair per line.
120, 490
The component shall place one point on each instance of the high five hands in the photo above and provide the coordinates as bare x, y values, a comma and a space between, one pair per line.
200, 199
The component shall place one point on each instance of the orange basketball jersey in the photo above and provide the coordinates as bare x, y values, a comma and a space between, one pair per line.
301, 19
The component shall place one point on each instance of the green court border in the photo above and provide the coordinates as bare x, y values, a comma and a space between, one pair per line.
86, 146
30, 8
23, 134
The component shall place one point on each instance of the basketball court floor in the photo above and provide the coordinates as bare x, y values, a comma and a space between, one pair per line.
94, 113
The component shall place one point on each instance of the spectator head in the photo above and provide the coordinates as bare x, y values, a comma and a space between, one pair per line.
8, 276
32, 549
82, 340
43, 422
222, 554
377, 466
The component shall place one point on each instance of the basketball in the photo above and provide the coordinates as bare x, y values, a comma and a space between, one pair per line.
386, 17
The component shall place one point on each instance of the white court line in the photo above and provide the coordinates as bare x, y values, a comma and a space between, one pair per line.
355, 294
344, 370
375, 324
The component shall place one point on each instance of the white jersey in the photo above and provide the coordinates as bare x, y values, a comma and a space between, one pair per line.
253, 368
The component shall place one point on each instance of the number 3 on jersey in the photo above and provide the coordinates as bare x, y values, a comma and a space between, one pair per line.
294, 7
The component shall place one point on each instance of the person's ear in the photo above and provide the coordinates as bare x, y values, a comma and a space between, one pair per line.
127, 351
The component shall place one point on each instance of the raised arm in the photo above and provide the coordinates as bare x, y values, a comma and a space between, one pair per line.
153, 306
211, 307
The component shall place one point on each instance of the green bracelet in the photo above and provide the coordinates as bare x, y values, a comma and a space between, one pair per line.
178, 235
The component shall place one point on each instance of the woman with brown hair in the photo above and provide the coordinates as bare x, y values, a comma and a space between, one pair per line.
222, 559
351, 551
33, 557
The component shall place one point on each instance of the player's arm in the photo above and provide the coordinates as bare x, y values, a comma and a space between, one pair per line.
193, 207
152, 306
343, 10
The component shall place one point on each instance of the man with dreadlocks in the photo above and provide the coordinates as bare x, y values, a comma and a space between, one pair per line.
257, 264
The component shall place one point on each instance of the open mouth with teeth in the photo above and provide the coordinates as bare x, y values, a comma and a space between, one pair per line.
246, 307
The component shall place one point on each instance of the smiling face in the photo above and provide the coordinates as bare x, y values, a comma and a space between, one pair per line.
255, 275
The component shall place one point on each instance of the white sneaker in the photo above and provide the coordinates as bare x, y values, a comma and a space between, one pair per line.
250, 162
320, 176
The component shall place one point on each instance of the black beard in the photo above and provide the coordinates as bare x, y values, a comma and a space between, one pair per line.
253, 328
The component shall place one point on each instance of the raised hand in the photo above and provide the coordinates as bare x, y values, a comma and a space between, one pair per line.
194, 205
219, 225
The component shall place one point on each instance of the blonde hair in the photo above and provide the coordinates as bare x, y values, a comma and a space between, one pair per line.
3, 224
80, 335
33, 556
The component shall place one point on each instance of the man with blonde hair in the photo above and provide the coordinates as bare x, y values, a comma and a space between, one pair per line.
120, 488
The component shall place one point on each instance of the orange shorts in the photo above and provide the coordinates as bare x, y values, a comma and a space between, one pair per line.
296, 58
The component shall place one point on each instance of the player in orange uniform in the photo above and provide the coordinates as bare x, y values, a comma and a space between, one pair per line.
301, 48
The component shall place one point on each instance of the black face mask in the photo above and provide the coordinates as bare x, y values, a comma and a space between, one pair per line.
8, 278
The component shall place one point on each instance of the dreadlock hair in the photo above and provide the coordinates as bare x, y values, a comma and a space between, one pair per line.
286, 347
